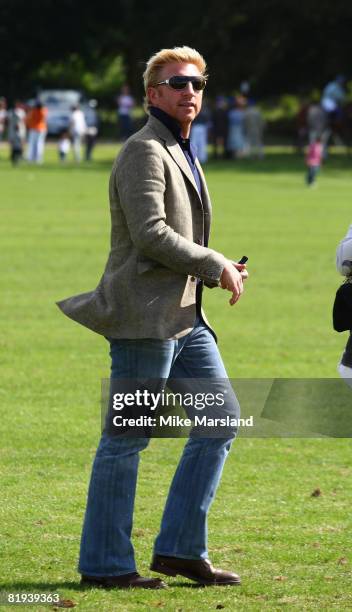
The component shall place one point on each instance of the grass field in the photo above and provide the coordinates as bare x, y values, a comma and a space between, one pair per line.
292, 550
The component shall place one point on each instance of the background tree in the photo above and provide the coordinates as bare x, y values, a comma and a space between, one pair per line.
280, 45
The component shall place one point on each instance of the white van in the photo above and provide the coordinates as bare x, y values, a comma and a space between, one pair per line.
59, 103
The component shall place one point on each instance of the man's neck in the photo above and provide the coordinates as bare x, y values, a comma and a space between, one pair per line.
182, 129
185, 130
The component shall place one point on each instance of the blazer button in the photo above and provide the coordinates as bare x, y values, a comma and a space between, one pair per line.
193, 279
199, 241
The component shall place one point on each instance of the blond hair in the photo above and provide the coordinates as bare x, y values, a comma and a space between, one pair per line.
166, 56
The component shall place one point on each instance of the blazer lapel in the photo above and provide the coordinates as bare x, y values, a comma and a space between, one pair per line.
178, 156
174, 149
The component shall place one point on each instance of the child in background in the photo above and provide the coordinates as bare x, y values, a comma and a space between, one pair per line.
64, 145
16, 131
313, 160
342, 312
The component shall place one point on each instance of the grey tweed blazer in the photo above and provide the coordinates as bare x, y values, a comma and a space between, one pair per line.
158, 220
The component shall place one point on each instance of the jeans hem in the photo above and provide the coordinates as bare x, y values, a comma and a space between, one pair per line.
105, 575
181, 556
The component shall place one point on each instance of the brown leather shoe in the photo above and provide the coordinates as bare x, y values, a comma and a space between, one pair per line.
126, 581
200, 570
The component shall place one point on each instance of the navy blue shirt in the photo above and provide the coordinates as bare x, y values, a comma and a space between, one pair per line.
185, 143
190, 155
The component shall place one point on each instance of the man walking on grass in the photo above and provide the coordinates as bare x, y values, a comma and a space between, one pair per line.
148, 305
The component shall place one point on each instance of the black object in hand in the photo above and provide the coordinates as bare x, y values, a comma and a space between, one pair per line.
243, 260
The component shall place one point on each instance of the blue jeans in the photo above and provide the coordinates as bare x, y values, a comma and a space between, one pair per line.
106, 548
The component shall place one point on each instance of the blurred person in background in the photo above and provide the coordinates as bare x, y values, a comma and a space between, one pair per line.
219, 121
199, 133
36, 122
125, 105
333, 95
16, 131
3, 117
316, 121
254, 124
236, 143
92, 121
301, 126
313, 160
332, 101
64, 145
78, 128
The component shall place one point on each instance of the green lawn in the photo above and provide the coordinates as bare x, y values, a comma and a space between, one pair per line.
292, 550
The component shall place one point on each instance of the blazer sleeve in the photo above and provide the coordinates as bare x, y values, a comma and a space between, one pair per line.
142, 201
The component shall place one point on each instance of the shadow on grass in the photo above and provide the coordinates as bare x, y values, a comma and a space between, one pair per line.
27, 586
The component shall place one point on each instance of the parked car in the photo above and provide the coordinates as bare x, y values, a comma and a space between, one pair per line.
59, 103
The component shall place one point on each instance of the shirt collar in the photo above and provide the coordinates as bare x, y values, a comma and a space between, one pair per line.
174, 128
168, 121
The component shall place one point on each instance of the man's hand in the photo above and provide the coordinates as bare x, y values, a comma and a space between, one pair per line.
232, 278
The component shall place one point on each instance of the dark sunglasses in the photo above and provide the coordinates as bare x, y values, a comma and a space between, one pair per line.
180, 82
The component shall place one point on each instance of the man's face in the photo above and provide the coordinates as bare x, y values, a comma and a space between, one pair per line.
183, 105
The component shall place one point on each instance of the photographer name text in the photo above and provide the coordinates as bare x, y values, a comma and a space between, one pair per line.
177, 421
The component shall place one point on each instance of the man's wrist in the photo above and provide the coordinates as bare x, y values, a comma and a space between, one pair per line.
215, 266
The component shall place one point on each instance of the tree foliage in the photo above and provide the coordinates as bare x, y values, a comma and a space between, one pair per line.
280, 45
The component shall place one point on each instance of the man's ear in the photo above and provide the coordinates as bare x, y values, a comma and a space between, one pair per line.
152, 95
